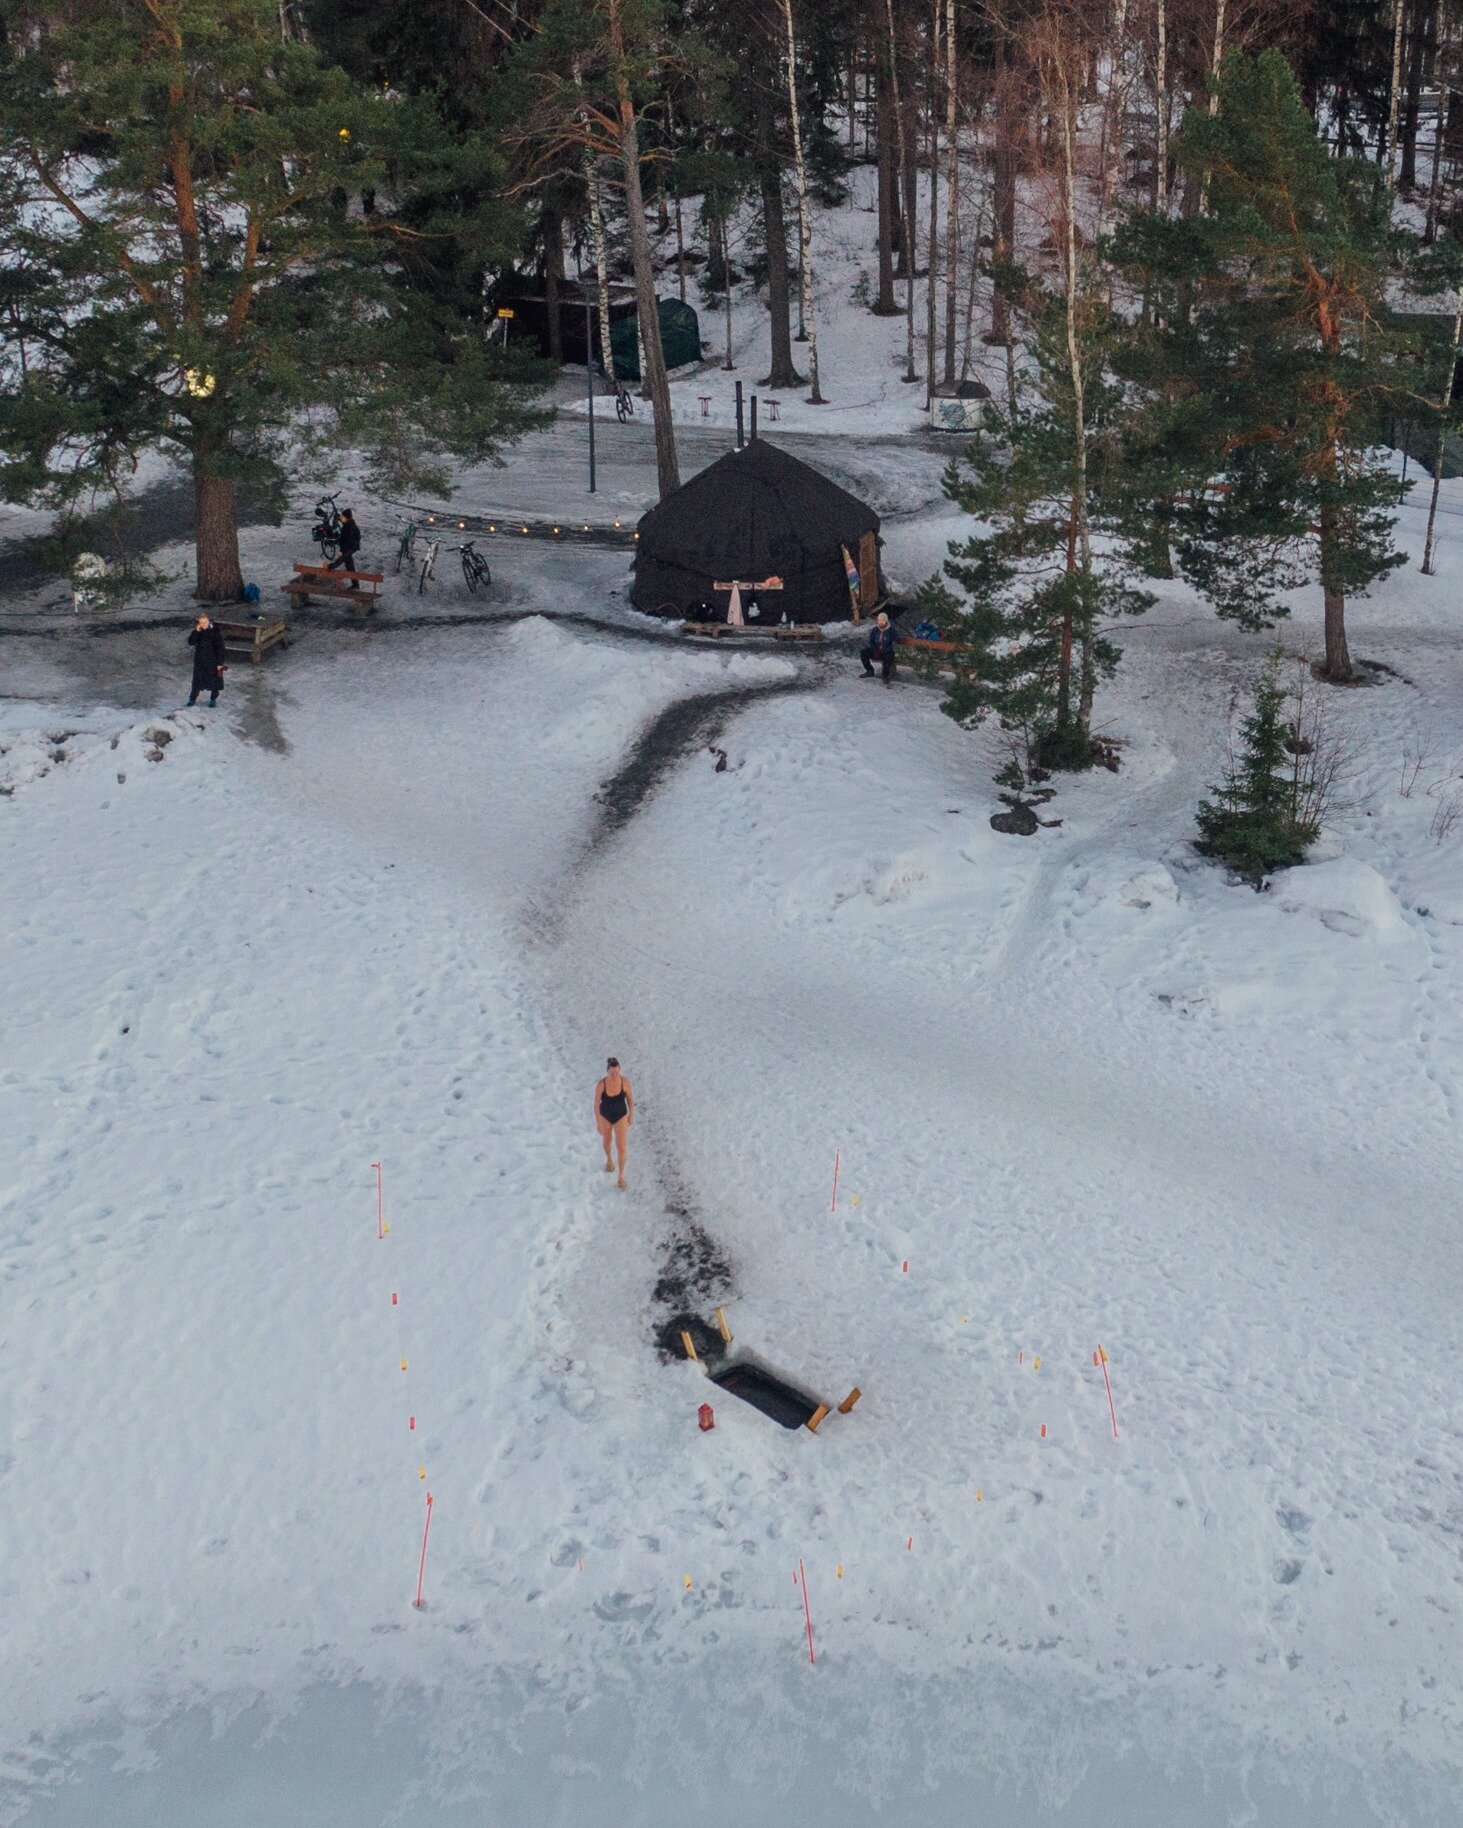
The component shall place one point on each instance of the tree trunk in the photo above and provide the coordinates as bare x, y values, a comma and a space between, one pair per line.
932, 261
1214, 65
1419, 58
1080, 546
1160, 99
653, 360
728, 364
805, 227
1110, 145
774, 234
906, 185
1338, 657
1003, 227
1434, 183
601, 274
215, 529
680, 250
952, 190
553, 233
885, 305
1386, 151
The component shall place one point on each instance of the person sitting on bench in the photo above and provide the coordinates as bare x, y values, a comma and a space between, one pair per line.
350, 545
880, 647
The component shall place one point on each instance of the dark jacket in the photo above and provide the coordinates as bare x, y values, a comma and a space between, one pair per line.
350, 538
881, 643
208, 657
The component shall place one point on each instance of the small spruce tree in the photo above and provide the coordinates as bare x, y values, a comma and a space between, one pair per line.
1260, 818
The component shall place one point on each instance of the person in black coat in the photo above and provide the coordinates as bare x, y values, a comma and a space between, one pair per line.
350, 545
207, 643
880, 647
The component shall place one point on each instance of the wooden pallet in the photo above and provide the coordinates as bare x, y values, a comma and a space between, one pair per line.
311, 581
722, 631
254, 638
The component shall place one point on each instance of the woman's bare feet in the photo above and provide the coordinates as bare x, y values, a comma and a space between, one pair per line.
620, 1183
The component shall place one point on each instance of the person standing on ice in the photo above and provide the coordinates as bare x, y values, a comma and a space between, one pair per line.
880, 647
207, 643
614, 1112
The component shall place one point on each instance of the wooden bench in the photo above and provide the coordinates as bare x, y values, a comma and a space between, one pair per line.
939, 656
253, 638
720, 631
311, 581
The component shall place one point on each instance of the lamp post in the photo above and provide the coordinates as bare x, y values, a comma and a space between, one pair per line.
590, 294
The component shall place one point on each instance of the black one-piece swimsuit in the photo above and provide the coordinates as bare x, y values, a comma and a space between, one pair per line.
612, 1107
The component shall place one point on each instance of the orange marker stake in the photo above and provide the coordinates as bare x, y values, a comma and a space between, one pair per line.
1043, 1431
910, 1543
904, 1267
807, 1610
1101, 1358
422, 1564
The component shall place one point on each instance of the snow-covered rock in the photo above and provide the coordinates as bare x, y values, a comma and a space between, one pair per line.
1346, 895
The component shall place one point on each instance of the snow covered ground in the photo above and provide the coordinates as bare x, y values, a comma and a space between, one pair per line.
395, 901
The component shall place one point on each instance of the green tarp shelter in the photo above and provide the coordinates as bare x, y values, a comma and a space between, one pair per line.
680, 336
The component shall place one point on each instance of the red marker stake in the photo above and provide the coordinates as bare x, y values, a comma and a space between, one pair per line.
380, 1229
1102, 1360
422, 1564
837, 1154
807, 1610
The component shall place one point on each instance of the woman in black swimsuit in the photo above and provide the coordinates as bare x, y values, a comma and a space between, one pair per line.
614, 1112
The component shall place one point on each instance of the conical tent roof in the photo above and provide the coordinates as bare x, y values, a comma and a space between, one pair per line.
752, 514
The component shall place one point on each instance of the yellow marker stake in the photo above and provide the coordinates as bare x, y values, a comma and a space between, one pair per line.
421, 1472
855, 1199
1103, 1350
687, 1579
965, 1320
840, 1570
979, 1496
386, 1227
1036, 1363
403, 1364
726, 1332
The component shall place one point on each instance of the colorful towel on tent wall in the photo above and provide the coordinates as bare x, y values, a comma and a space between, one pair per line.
850, 571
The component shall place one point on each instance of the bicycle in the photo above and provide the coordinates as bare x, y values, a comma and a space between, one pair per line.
326, 530
429, 564
475, 568
624, 405
406, 550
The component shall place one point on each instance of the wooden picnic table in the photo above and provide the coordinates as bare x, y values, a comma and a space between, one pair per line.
311, 581
253, 638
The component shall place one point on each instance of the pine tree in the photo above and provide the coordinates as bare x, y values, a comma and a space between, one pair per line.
1258, 820
231, 230
1057, 562
1271, 357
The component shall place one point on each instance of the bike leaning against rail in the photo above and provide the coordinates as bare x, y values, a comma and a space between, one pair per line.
475, 570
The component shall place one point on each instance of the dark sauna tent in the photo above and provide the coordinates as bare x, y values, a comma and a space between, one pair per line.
752, 516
